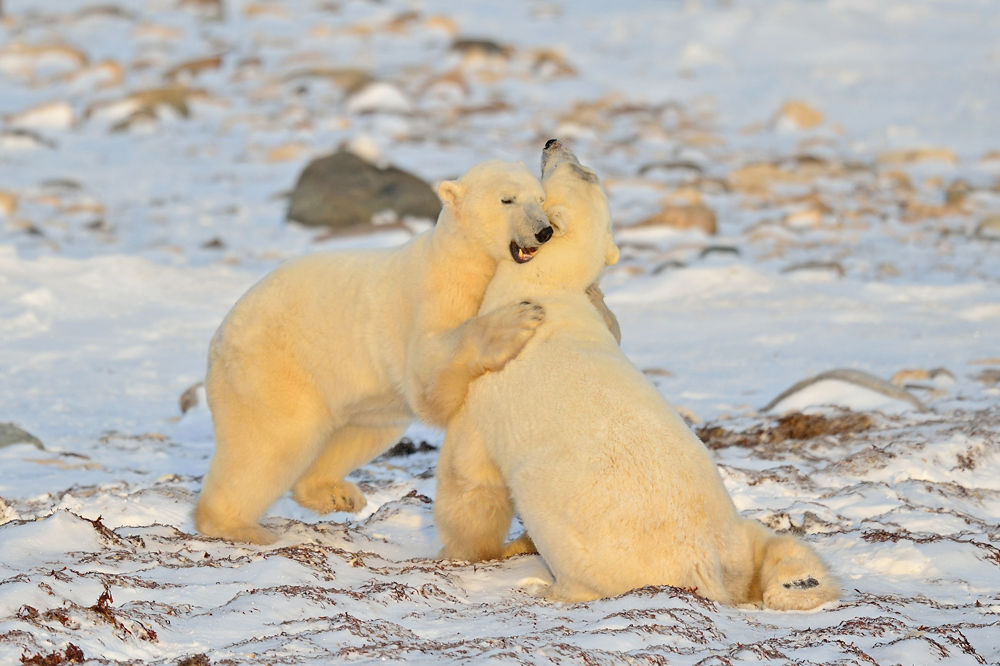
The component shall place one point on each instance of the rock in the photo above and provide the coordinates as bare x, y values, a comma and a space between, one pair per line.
29, 59
827, 395
904, 377
343, 190
918, 155
989, 228
10, 435
758, 178
192, 68
989, 377
799, 115
805, 218
481, 49
54, 115
8, 203
190, 398
695, 216
822, 266
286, 152
379, 97
956, 194
347, 79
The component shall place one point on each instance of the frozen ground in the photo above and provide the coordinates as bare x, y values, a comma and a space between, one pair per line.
860, 233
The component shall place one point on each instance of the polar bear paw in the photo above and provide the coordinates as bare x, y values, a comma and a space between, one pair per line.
329, 497
803, 593
506, 331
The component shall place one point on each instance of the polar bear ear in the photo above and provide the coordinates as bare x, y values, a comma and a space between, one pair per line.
450, 191
558, 215
612, 254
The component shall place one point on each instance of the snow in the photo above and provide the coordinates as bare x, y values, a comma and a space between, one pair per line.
849, 243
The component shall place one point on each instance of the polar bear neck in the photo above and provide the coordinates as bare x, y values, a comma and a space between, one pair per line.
567, 264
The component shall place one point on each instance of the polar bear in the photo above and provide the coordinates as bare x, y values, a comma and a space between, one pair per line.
323, 364
612, 486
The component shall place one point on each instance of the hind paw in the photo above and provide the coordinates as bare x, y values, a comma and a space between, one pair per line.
802, 593
330, 497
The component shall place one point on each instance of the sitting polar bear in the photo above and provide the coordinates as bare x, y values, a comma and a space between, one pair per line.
321, 366
612, 486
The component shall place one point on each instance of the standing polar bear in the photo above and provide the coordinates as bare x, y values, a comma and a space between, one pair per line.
323, 364
612, 486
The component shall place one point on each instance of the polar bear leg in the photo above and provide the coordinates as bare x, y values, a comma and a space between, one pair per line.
472, 507
256, 461
322, 487
450, 362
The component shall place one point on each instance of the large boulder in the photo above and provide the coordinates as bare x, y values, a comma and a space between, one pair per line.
343, 190
10, 434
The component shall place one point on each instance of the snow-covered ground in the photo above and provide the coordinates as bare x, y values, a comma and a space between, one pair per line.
850, 150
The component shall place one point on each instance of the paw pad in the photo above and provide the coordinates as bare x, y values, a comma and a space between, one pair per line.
804, 584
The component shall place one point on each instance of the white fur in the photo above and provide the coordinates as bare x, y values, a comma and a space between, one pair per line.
615, 490
322, 365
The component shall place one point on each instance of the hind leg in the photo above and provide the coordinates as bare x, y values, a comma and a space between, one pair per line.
257, 458
472, 507
323, 488
791, 576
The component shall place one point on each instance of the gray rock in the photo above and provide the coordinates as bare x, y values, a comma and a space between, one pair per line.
858, 377
343, 190
10, 434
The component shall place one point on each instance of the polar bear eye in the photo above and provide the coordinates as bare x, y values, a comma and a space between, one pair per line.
507, 201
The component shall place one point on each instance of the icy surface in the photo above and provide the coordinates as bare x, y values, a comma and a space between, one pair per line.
849, 150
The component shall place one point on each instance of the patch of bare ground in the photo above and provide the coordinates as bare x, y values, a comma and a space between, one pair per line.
794, 427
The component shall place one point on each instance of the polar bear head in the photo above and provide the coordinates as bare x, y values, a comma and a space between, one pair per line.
498, 205
578, 209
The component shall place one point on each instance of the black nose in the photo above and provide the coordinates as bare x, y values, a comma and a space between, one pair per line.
550, 142
544, 235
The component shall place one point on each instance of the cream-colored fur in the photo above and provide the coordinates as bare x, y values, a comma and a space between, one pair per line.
612, 486
322, 365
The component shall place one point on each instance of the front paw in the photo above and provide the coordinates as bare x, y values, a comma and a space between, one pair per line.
506, 331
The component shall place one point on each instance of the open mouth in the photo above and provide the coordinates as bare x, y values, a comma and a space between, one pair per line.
522, 255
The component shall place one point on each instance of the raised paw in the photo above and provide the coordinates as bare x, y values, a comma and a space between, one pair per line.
505, 332
328, 497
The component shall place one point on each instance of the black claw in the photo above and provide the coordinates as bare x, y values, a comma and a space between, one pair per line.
804, 584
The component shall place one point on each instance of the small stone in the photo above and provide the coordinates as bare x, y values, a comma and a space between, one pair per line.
379, 97
481, 49
990, 377
189, 399
342, 190
54, 115
442, 23
800, 115
759, 178
989, 228
807, 218
192, 68
918, 155
888, 269
347, 79
696, 216
8, 203
285, 152
956, 193
10, 435
904, 377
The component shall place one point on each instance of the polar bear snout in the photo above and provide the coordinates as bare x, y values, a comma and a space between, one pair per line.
531, 230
